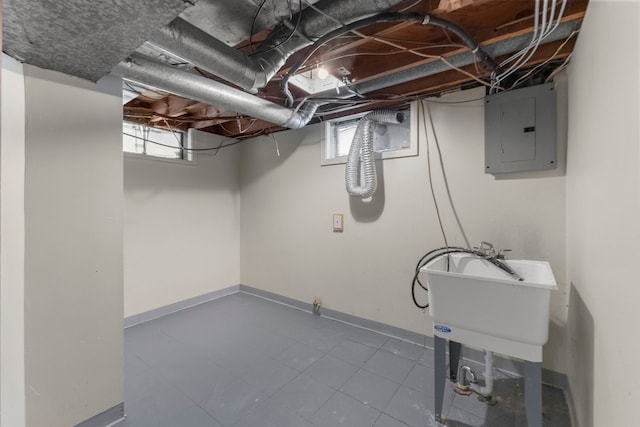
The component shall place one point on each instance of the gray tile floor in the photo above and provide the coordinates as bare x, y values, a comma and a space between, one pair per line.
244, 361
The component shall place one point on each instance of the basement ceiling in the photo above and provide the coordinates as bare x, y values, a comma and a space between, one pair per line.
380, 65
79, 37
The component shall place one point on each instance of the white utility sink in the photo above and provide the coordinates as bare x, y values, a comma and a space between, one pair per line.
473, 302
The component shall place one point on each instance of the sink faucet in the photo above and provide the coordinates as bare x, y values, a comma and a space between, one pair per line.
502, 254
487, 251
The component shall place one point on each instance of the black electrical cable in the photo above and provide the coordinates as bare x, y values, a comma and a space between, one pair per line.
427, 258
253, 23
384, 17
291, 34
182, 147
436, 253
466, 39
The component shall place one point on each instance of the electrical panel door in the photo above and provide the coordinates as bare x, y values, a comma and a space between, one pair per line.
520, 130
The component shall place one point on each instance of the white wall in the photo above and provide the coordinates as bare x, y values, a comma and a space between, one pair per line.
603, 211
288, 247
70, 318
181, 227
12, 164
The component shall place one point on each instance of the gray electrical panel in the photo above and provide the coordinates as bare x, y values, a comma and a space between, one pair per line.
520, 130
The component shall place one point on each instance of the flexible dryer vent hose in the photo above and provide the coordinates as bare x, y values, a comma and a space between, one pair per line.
361, 154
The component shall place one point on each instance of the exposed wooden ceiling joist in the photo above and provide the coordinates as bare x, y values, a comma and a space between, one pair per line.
384, 50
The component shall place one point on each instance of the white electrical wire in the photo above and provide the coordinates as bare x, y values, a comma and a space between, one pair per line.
537, 67
559, 69
433, 193
444, 176
545, 22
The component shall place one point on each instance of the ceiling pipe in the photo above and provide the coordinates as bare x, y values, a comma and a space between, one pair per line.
503, 47
474, 48
140, 69
252, 72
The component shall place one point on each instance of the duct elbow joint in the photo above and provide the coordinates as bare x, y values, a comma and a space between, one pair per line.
300, 119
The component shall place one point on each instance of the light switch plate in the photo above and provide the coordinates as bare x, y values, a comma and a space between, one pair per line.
338, 222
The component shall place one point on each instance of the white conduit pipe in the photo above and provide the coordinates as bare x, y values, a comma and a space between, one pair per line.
487, 390
361, 154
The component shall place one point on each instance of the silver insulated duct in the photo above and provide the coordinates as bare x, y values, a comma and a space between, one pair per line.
143, 70
252, 72
361, 178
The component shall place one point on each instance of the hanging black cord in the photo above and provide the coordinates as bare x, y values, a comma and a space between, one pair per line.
253, 24
383, 17
289, 37
436, 253
426, 259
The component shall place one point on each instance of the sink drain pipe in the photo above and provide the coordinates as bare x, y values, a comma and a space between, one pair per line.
467, 382
487, 390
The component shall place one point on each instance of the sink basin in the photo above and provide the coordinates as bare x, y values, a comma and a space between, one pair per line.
473, 302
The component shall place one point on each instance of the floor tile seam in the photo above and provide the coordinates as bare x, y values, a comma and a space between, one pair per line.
241, 413
470, 414
146, 365
370, 330
393, 380
206, 413
298, 370
234, 377
187, 401
350, 376
334, 357
292, 367
309, 417
334, 393
285, 384
161, 368
295, 342
370, 345
399, 355
364, 403
345, 394
413, 388
272, 396
389, 402
348, 361
393, 418
157, 373
298, 373
248, 413
134, 352
403, 341
298, 414
409, 373
210, 415
324, 351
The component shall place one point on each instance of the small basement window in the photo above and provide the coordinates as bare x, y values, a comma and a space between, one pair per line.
390, 141
147, 141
